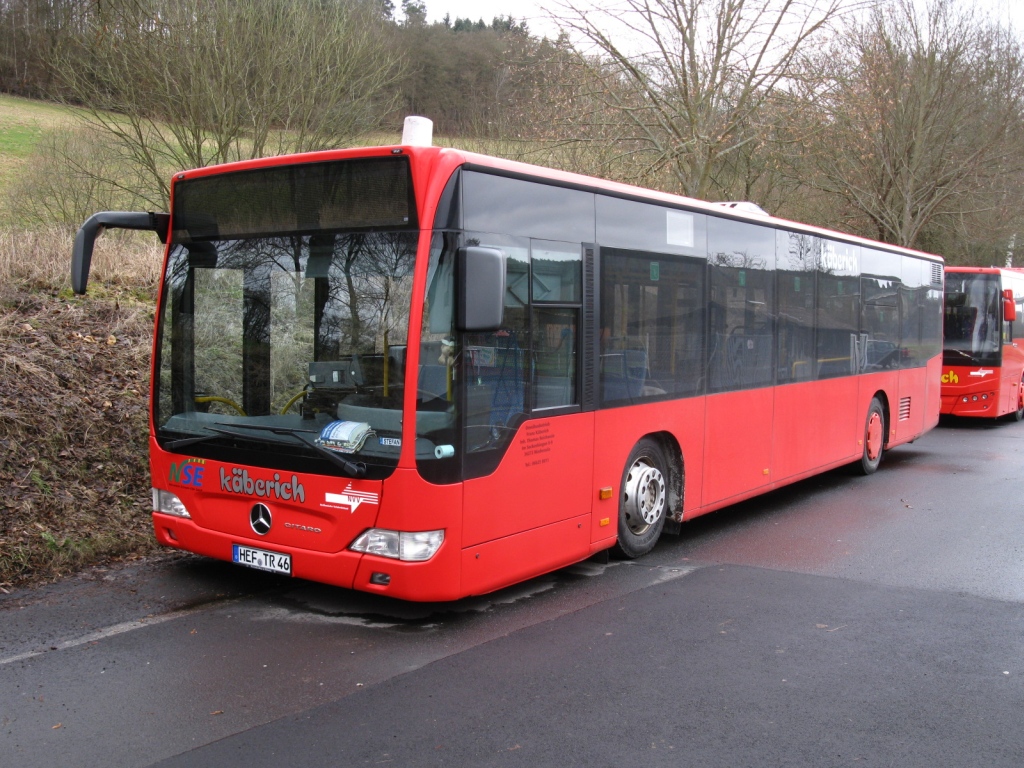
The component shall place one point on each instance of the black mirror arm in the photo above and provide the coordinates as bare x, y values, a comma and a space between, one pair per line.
81, 256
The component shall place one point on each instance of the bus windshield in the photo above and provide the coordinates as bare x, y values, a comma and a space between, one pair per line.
285, 317
973, 321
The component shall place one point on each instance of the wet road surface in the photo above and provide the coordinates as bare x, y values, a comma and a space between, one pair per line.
872, 621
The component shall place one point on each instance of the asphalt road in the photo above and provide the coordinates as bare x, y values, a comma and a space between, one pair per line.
843, 620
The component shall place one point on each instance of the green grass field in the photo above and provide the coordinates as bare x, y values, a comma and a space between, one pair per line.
22, 124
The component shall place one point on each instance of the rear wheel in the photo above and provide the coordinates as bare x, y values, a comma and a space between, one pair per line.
643, 500
874, 438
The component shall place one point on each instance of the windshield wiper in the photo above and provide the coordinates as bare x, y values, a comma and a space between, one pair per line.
183, 442
186, 441
969, 356
353, 469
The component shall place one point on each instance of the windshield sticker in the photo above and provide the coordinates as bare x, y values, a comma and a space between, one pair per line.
240, 482
187, 472
349, 498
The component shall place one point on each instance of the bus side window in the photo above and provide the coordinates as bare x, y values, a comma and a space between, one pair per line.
555, 332
496, 362
797, 256
652, 325
838, 314
741, 312
556, 290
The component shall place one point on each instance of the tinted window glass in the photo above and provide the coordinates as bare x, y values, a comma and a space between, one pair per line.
1014, 283
437, 377
295, 199
496, 362
555, 333
530, 363
882, 263
880, 314
972, 319
913, 294
652, 325
286, 332
797, 256
557, 271
838, 316
880, 324
526, 208
645, 227
741, 258
931, 338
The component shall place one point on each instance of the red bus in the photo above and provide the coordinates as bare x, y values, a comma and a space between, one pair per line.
983, 343
427, 373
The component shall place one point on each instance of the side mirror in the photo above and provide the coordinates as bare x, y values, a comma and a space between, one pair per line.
1009, 307
81, 256
481, 276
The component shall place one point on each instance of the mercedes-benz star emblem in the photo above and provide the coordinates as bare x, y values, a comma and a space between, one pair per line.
260, 519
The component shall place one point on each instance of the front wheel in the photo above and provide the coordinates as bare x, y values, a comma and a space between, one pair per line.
643, 500
874, 438
1018, 415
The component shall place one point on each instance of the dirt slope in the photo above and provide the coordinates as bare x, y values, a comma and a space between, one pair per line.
74, 486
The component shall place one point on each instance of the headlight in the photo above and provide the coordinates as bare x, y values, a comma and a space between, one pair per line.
415, 546
421, 545
169, 504
375, 541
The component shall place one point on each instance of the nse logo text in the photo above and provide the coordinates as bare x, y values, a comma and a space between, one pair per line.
187, 472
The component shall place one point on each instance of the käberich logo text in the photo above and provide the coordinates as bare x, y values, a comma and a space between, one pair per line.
240, 482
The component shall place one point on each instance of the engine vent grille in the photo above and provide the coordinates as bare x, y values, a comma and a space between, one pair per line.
904, 408
589, 328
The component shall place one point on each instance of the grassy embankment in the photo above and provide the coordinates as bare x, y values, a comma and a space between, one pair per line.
73, 382
22, 123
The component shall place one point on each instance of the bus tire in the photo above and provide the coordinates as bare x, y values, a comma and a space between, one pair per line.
643, 499
1018, 415
874, 438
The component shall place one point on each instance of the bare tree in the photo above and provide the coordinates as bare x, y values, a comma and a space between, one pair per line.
73, 172
922, 128
688, 79
30, 32
187, 83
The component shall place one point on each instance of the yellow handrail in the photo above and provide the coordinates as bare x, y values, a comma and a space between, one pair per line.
226, 401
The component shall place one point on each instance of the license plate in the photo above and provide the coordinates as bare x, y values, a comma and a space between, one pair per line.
275, 562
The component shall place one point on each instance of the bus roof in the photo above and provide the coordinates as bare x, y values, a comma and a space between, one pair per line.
443, 158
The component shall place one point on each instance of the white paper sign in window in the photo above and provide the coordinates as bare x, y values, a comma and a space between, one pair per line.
679, 228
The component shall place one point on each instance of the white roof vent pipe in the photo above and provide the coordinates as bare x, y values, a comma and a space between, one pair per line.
418, 131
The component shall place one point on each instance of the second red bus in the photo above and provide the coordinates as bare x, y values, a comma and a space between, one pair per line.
983, 343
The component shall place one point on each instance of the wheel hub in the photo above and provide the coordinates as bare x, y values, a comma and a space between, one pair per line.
644, 496
874, 436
